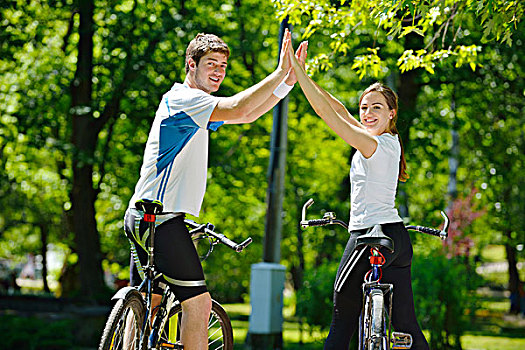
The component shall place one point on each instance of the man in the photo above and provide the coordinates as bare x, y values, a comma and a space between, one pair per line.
174, 170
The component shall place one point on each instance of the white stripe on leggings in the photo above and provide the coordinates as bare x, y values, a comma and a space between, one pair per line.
346, 271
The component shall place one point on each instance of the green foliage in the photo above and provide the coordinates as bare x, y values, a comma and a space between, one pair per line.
444, 296
314, 298
138, 54
444, 26
34, 333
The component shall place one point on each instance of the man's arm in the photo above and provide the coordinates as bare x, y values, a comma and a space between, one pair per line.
250, 104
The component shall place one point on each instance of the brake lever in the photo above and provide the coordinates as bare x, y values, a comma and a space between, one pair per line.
444, 232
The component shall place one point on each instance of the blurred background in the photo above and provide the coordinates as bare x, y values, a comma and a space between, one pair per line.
80, 82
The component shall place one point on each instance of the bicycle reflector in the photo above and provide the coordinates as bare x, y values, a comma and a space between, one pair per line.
149, 217
376, 258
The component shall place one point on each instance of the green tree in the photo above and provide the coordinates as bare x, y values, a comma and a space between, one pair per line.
63, 148
84, 80
439, 23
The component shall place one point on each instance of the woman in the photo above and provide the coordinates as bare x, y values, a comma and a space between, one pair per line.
377, 166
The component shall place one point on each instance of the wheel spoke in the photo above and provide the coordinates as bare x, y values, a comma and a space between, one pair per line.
213, 341
217, 330
210, 323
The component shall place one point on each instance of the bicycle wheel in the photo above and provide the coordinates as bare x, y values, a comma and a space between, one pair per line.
372, 321
377, 336
220, 334
124, 324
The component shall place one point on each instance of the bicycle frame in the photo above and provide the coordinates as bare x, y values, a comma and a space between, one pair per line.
168, 301
372, 283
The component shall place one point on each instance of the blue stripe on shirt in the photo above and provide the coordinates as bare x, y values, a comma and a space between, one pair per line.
162, 185
163, 188
175, 133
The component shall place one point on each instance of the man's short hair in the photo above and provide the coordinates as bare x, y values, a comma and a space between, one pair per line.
202, 44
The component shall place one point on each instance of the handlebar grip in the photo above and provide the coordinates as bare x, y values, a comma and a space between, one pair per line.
241, 246
429, 230
315, 222
228, 242
222, 238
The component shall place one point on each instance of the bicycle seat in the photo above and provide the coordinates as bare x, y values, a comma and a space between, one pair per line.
149, 206
375, 238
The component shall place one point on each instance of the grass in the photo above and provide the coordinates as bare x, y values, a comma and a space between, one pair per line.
293, 335
484, 342
492, 329
493, 253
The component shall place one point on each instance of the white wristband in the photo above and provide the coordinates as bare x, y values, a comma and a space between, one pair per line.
282, 90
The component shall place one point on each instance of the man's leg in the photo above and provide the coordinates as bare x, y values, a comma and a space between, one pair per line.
177, 258
195, 316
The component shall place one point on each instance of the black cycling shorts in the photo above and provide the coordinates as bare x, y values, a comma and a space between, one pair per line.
175, 255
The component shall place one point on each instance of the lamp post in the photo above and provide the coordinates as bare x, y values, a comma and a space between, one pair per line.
267, 277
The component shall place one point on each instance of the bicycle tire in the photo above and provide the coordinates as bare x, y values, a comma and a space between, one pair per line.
372, 322
220, 333
377, 320
116, 332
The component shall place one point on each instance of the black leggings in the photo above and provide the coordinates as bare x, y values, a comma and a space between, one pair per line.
348, 297
175, 256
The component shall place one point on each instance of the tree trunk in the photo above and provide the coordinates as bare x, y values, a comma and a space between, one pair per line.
408, 89
510, 243
85, 135
43, 252
514, 277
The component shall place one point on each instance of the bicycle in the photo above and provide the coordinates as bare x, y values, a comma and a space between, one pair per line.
132, 324
375, 327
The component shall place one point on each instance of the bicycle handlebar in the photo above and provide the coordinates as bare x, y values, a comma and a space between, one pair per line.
153, 208
443, 234
329, 219
208, 229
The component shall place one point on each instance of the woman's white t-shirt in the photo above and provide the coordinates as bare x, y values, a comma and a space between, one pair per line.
374, 184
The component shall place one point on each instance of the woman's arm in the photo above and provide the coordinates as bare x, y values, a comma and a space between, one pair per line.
333, 112
338, 107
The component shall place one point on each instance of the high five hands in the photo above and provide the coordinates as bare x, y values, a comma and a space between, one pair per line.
298, 61
287, 57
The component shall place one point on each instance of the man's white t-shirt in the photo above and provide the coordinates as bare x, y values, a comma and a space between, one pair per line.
374, 184
175, 165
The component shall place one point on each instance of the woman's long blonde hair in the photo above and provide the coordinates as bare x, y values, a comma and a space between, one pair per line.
391, 100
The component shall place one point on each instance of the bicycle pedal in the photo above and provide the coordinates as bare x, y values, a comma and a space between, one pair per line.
167, 345
401, 340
